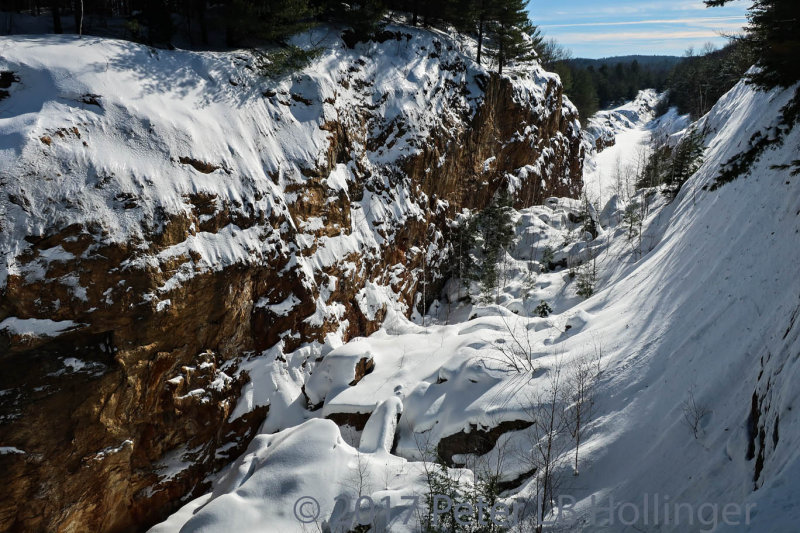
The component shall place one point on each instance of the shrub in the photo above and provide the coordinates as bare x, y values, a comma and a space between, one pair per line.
277, 63
672, 167
547, 258
586, 279
543, 309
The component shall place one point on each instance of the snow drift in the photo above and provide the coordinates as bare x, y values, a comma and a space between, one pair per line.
172, 221
704, 313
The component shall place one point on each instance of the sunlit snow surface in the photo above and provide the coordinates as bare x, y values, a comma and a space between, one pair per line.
632, 125
96, 133
706, 309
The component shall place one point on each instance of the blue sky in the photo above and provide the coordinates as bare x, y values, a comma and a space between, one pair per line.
602, 28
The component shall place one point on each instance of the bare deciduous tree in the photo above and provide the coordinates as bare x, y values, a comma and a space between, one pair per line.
547, 437
488, 470
693, 414
583, 373
517, 350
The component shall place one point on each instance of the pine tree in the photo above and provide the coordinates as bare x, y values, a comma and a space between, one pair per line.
441, 487
462, 263
537, 40
497, 232
363, 16
480, 12
687, 158
511, 28
655, 168
55, 11
583, 94
158, 18
543, 309
268, 20
463, 15
773, 32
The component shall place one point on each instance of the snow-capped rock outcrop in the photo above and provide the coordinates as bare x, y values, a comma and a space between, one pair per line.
692, 339
176, 212
602, 128
379, 431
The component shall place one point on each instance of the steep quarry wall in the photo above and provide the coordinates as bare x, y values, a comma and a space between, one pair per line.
165, 216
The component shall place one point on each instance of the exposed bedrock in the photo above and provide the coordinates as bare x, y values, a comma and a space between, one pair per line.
121, 405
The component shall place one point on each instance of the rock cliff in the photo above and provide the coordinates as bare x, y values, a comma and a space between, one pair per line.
166, 216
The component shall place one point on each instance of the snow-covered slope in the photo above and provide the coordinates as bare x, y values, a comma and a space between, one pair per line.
702, 311
171, 221
619, 141
604, 127
709, 313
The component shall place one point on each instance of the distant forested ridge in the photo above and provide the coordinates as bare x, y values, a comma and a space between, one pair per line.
696, 81
594, 84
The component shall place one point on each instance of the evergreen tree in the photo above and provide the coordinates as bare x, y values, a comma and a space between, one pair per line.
365, 17
538, 42
465, 15
773, 33
582, 93
686, 160
672, 166
158, 19
268, 20
511, 28
497, 233
412, 7
55, 11
543, 309
480, 13
198, 8
655, 168
441, 487
462, 263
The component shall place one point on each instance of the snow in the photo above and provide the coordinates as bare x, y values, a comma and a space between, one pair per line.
705, 308
10, 449
75, 365
117, 166
378, 435
703, 305
612, 171
36, 327
111, 450
300, 472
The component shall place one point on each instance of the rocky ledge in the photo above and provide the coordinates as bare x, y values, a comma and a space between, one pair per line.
147, 253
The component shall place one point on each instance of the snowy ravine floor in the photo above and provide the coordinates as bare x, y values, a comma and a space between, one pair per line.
703, 308
631, 126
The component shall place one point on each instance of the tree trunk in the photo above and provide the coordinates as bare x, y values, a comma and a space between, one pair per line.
201, 14
577, 438
56, 17
480, 39
80, 21
76, 14
500, 58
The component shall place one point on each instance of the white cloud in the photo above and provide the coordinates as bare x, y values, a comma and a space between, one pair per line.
637, 36
696, 21
639, 8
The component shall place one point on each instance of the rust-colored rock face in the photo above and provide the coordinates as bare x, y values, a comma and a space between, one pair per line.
128, 408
